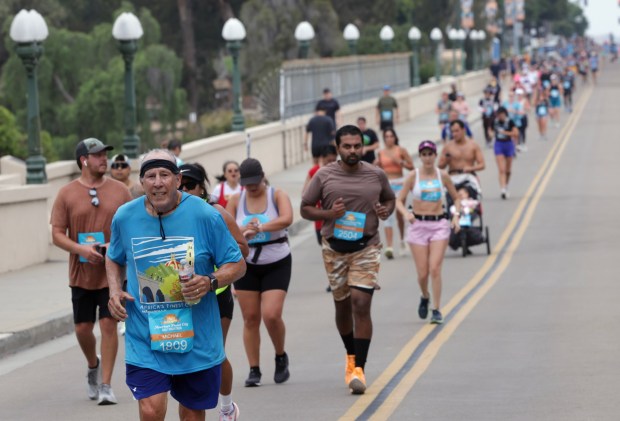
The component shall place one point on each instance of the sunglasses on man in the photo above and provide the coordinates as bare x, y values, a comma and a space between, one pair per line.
94, 198
119, 165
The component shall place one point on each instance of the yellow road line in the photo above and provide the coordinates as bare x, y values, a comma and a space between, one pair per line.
407, 382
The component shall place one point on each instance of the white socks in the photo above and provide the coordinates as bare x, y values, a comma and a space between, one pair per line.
226, 403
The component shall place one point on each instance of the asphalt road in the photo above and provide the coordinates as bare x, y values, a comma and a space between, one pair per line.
530, 330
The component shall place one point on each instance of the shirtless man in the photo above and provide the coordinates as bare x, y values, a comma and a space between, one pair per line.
462, 156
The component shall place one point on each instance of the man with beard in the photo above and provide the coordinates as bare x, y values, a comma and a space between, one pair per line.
81, 218
354, 195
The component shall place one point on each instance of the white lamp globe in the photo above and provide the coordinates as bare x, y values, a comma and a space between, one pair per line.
28, 26
436, 34
233, 30
386, 33
304, 31
414, 34
351, 33
127, 27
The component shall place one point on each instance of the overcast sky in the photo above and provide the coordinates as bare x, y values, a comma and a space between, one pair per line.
603, 17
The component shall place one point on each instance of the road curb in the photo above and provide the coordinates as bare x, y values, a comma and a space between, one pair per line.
36, 335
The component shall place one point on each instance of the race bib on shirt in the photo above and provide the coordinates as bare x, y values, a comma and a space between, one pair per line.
542, 111
350, 227
431, 190
386, 115
171, 330
261, 237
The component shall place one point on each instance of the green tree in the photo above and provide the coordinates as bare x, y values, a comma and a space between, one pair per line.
81, 84
12, 140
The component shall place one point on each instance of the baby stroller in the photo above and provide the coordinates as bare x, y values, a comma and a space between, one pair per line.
473, 232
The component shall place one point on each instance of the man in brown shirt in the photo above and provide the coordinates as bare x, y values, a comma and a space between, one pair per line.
81, 219
353, 195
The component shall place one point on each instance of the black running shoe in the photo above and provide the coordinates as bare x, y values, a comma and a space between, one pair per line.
282, 374
253, 379
423, 308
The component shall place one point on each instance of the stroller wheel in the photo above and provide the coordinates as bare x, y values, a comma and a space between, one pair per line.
488, 239
464, 244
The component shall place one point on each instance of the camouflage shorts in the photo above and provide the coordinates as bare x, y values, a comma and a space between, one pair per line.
345, 270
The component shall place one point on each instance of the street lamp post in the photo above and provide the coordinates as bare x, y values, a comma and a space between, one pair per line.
234, 32
436, 37
387, 35
414, 36
351, 34
462, 36
127, 30
453, 35
474, 36
304, 34
482, 36
28, 30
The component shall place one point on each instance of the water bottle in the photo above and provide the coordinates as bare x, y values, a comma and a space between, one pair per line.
185, 274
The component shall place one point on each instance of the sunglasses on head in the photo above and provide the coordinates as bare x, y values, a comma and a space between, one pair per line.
119, 165
189, 185
94, 199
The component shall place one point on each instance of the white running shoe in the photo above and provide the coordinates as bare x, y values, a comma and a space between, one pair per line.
233, 415
106, 395
121, 328
403, 249
94, 378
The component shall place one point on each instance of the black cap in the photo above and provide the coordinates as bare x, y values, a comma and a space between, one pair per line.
192, 171
251, 172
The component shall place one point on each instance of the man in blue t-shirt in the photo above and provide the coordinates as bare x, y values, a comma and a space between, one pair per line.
168, 242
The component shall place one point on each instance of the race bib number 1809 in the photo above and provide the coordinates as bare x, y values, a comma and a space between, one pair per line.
172, 330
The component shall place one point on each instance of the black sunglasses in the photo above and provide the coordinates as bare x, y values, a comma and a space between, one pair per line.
189, 185
119, 165
95, 200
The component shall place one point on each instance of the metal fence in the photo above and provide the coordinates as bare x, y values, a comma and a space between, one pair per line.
351, 79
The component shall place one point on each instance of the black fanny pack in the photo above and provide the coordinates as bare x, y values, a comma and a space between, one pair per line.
259, 246
345, 246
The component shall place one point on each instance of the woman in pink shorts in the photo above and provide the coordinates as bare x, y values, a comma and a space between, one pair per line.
429, 228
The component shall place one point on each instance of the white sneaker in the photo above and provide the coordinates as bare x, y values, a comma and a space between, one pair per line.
403, 251
233, 415
106, 395
121, 328
94, 378
504, 194
389, 253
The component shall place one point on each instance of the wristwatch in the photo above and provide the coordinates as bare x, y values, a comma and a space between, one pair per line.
213, 285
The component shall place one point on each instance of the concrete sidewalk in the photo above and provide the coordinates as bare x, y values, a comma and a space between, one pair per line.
36, 301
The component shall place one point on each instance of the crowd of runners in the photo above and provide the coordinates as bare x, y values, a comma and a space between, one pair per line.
179, 254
